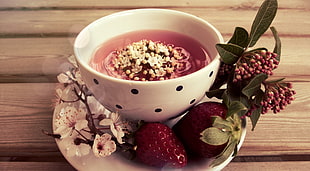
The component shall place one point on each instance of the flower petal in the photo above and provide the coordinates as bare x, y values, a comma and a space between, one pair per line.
81, 124
72, 60
58, 92
109, 148
63, 78
115, 117
72, 151
103, 145
83, 149
106, 122
118, 133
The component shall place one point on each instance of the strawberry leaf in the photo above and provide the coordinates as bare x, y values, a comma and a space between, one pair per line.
254, 85
240, 37
229, 53
228, 151
223, 124
235, 136
262, 21
277, 48
214, 136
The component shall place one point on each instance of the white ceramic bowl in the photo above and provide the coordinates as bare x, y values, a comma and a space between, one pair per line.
152, 100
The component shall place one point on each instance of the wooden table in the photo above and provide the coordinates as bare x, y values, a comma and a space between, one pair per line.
36, 38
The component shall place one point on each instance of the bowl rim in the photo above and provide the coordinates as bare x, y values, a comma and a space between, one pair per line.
119, 80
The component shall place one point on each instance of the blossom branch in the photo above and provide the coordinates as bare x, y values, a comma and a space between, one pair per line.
51, 134
79, 122
90, 119
85, 140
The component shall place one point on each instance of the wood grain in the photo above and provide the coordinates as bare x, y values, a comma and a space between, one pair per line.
65, 22
33, 59
25, 111
32, 166
233, 166
268, 166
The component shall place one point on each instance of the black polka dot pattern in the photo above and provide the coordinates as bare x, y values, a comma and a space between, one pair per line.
157, 110
134, 91
211, 73
96, 81
179, 88
118, 106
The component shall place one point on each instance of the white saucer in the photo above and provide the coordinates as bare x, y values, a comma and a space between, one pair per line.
117, 162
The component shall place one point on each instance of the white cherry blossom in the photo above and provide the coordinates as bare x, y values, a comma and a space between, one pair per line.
65, 77
69, 119
72, 60
103, 145
115, 123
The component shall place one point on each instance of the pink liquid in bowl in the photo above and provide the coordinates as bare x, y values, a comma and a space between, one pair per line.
104, 54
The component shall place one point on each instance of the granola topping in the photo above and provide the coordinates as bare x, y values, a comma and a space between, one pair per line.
147, 60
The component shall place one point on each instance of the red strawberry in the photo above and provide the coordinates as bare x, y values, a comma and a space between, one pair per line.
158, 146
199, 118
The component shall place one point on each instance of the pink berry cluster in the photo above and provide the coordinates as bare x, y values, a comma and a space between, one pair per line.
276, 97
253, 63
225, 69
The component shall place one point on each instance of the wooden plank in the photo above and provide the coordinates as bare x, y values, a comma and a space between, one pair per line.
137, 3
33, 59
31, 166
233, 166
26, 110
48, 58
268, 166
70, 22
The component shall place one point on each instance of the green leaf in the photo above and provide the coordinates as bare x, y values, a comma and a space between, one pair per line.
263, 19
225, 97
277, 48
255, 117
240, 37
218, 93
235, 107
254, 85
229, 53
214, 136
258, 49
